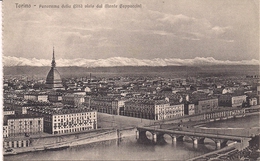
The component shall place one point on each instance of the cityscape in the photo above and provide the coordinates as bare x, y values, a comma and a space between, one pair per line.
131, 80
37, 112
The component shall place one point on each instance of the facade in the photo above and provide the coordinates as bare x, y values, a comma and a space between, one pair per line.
55, 96
141, 109
252, 101
16, 143
168, 111
7, 112
20, 106
20, 125
232, 101
258, 88
66, 120
206, 105
153, 110
224, 114
73, 99
36, 97
108, 105
117, 106
53, 80
189, 109
5, 131
21, 109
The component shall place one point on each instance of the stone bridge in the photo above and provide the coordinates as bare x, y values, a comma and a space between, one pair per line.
197, 138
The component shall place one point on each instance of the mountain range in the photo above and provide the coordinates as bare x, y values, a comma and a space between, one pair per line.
123, 61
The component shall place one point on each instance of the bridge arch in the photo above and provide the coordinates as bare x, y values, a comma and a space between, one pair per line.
219, 143
158, 135
210, 141
149, 135
168, 138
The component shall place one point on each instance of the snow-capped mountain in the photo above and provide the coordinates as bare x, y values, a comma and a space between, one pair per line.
123, 61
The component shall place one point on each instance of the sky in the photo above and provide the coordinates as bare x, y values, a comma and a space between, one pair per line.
163, 29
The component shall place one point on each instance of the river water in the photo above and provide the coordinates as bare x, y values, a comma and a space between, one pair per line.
129, 149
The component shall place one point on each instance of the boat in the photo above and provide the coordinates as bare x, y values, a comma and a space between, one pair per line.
239, 116
223, 118
217, 119
9, 151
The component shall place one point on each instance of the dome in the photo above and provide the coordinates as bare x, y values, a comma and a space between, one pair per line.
53, 79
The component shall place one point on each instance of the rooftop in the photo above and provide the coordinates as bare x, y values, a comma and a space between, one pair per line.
22, 116
148, 102
50, 111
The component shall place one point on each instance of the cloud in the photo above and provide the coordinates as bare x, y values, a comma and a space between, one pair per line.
174, 19
220, 30
162, 33
158, 29
188, 38
192, 28
123, 61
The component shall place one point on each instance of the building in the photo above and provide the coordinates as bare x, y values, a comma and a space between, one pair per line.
8, 111
5, 131
20, 106
36, 96
66, 120
110, 105
141, 109
205, 105
118, 106
153, 110
252, 101
169, 112
258, 88
189, 108
73, 99
229, 100
258, 92
224, 114
25, 124
55, 96
16, 142
53, 80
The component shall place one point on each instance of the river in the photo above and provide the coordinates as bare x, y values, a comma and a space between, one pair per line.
129, 149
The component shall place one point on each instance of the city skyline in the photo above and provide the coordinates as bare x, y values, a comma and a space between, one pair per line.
159, 33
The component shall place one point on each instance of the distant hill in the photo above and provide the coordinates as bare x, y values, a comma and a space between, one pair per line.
164, 71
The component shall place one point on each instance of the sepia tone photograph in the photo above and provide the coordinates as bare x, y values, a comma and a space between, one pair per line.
130, 80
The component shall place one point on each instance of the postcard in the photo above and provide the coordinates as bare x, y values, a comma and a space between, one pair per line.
130, 79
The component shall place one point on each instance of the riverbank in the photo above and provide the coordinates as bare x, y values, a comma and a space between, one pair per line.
104, 136
126, 124
233, 152
215, 154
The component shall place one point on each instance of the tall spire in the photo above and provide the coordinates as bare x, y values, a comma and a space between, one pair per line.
53, 63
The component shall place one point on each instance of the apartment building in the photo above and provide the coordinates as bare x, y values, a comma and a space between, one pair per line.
110, 105
24, 124
66, 120
229, 100
205, 105
154, 110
